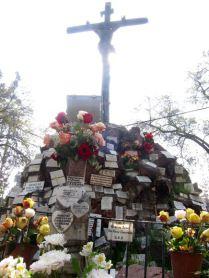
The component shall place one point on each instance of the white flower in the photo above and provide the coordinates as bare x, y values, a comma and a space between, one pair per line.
55, 239
87, 249
81, 114
98, 273
29, 212
13, 268
100, 260
49, 261
180, 214
108, 265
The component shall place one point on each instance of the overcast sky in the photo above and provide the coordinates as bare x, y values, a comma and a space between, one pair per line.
150, 59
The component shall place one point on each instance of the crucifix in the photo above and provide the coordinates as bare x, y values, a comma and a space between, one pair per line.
105, 32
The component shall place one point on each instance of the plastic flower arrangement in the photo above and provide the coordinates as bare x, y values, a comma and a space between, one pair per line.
130, 161
53, 242
189, 233
96, 263
148, 143
21, 226
80, 140
15, 268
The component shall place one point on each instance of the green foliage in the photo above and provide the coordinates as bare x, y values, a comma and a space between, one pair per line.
15, 130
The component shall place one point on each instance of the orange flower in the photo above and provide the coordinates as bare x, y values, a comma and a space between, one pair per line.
56, 125
18, 210
28, 203
98, 127
2, 229
64, 138
47, 140
99, 138
8, 223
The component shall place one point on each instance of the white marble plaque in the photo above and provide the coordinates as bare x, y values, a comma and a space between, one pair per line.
109, 191
179, 170
91, 194
87, 187
39, 156
33, 186
111, 157
180, 179
56, 174
100, 241
51, 163
36, 161
106, 203
119, 212
52, 200
33, 178
34, 168
107, 172
110, 146
153, 156
120, 231
111, 164
75, 181
143, 179
168, 155
90, 226
62, 220
58, 181
98, 227
69, 195
131, 212
117, 186
113, 152
179, 205
98, 188
148, 163
80, 209
101, 180
122, 194
101, 154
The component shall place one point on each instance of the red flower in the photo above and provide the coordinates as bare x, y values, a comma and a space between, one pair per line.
87, 118
61, 118
84, 151
148, 136
147, 147
96, 150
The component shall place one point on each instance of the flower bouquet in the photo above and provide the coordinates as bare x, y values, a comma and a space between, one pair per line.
96, 264
80, 140
53, 259
22, 230
15, 268
186, 240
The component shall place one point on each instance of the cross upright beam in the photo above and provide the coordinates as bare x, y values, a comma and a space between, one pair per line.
105, 32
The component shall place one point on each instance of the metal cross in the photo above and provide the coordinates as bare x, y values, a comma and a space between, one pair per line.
105, 32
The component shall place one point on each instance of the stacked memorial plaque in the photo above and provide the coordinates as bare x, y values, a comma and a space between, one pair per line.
134, 182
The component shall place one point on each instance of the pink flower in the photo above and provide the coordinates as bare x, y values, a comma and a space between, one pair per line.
99, 138
98, 127
55, 125
64, 138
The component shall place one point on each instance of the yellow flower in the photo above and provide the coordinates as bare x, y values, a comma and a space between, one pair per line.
44, 229
204, 216
188, 212
190, 232
176, 232
163, 216
22, 222
194, 218
43, 220
39, 238
28, 203
8, 223
205, 235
